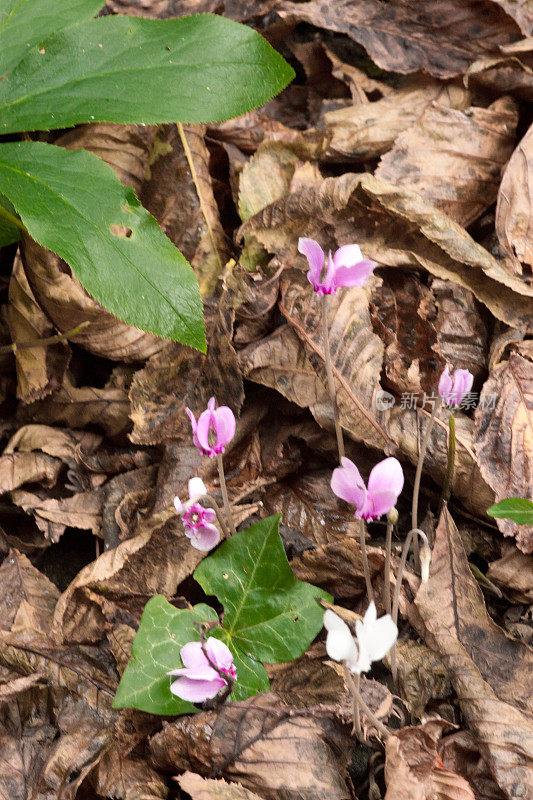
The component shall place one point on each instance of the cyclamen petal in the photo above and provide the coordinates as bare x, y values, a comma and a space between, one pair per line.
219, 653
452, 389
346, 267
198, 681
204, 537
384, 487
197, 691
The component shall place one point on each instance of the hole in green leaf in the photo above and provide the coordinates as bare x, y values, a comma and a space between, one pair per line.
121, 231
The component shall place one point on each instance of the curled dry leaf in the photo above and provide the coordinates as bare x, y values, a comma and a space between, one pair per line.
53, 516
504, 435
16, 469
412, 768
513, 573
32, 597
337, 565
279, 751
454, 158
400, 35
395, 227
127, 149
514, 212
179, 193
413, 361
511, 74
40, 370
491, 672
461, 327
460, 753
367, 130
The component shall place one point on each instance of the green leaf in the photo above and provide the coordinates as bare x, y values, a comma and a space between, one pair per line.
517, 509
252, 677
163, 631
69, 201
268, 614
9, 233
124, 69
24, 23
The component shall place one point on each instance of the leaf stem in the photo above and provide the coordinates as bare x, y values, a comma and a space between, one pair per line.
224, 490
11, 218
58, 337
331, 380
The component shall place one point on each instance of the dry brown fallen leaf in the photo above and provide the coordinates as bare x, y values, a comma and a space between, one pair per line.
395, 227
40, 370
491, 673
107, 408
52, 516
157, 396
442, 38
412, 768
127, 778
31, 599
281, 752
214, 789
506, 74
337, 565
454, 158
459, 753
514, 211
514, 574
421, 676
179, 193
413, 359
461, 325
504, 438
367, 130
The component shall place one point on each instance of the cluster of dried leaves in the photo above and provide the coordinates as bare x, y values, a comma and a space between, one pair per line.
406, 131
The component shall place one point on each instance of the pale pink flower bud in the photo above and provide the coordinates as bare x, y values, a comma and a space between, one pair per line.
453, 389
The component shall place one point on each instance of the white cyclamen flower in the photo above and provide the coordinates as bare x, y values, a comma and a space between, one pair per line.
196, 490
374, 639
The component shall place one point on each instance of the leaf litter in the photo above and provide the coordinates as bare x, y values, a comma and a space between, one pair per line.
407, 131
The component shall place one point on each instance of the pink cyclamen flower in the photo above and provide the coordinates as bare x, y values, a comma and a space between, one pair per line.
214, 429
198, 681
198, 520
384, 486
346, 268
453, 389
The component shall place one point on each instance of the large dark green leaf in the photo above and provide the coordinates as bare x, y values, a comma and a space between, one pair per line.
69, 202
156, 650
124, 69
24, 23
8, 232
268, 613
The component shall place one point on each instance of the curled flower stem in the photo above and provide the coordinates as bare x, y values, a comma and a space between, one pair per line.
364, 559
218, 512
418, 474
331, 380
360, 705
396, 599
448, 480
386, 574
224, 490
58, 337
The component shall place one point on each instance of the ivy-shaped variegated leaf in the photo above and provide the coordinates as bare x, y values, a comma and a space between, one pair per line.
156, 650
74, 204
200, 68
518, 509
268, 614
